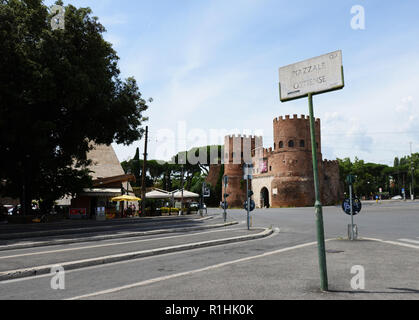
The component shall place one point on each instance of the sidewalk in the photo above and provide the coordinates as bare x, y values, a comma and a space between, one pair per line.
373, 202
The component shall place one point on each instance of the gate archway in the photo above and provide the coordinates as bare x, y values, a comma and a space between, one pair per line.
264, 198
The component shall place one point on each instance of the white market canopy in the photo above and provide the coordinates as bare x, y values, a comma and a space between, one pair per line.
161, 194
186, 194
158, 194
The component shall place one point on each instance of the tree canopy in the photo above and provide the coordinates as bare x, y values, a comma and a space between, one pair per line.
60, 91
371, 177
168, 175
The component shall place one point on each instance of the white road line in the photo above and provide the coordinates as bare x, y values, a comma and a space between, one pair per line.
393, 243
109, 244
187, 273
409, 241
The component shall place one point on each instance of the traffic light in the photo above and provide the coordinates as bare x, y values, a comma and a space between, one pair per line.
250, 194
226, 195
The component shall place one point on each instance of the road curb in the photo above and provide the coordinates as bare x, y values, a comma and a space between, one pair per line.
71, 265
110, 237
58, 232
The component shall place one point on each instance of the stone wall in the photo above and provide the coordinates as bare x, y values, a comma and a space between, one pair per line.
332, 188
213, 174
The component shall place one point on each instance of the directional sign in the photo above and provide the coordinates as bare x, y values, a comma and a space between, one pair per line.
316, 75
207, 192
356, 205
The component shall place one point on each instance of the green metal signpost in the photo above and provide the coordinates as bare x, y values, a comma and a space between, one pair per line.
305, 79
318, 205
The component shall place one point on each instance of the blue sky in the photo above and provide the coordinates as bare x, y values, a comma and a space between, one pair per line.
214, 65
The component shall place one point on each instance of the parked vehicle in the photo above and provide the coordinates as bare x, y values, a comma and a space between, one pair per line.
14, 210
193, 207
397, 198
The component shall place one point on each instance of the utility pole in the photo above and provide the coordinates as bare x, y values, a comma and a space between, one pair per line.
143, 189
412, 186
248, 203
248, 176
225, 198
181, 185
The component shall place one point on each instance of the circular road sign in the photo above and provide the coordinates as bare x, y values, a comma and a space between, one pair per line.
356, 205
252, 205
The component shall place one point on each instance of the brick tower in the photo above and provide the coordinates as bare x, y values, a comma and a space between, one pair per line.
238, 150
291, 161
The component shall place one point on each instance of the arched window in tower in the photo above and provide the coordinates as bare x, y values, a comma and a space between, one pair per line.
302, 144
281, 145
274, 146
291, 144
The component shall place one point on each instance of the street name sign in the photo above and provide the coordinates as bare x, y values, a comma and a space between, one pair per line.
316, 75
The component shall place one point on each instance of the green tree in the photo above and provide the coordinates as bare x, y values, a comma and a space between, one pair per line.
59, 91
370, 177
208, 154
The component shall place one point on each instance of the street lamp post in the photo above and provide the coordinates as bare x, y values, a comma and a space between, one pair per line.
181, 186
412, 186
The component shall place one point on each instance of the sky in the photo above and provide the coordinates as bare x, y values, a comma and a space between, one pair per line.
211, 68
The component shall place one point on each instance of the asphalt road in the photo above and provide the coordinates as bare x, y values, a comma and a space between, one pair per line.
281, 266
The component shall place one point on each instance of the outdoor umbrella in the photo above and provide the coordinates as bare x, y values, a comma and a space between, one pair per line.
186, 194
125, 198
156, 194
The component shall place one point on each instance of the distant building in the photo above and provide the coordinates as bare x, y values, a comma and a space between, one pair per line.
109, 180
282, 176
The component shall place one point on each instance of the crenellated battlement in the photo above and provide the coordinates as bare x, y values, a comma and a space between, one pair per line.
268, 152
243, 136
330, 162
295, 117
